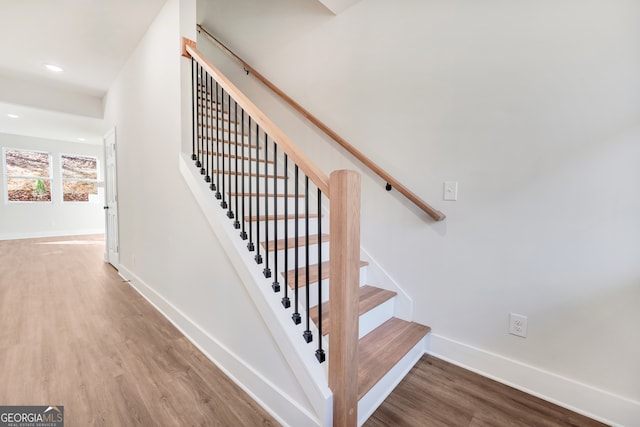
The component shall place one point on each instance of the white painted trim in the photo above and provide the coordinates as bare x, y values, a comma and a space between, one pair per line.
582, 398
56, 233
382, 279
311, 375
279, 405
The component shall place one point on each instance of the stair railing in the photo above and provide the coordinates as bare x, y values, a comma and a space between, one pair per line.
238, 151
391, 182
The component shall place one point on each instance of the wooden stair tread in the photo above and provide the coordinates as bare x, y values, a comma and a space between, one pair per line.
313, 240
369, 298
232, 194
226, 141
233, 156
222, 118
261, 175
209, 100
381, 349
227, 130
313, 274
278, 217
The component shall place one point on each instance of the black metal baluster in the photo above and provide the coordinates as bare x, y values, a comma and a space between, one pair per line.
286, 302
243, 233
230, 169
275, 285
203, 169
217, 186
267, 271
320, 355
223, 203
211, 118
308, 336
258, 257
209, 127
194, 101
200, 128
296, 315
208, 170
250, 245
236, 223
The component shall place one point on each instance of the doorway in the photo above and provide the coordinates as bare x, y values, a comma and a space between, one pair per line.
112, 246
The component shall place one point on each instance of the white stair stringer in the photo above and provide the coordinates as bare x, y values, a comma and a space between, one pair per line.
312, 376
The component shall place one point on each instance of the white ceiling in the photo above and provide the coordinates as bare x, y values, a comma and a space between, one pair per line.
49, 124
89, 39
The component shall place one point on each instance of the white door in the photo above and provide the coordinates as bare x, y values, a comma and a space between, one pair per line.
112, 253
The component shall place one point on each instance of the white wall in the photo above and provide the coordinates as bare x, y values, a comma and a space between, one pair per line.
166, 246
55, 218
534, 108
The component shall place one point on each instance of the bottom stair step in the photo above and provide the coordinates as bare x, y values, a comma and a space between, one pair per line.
370, 298
383, 347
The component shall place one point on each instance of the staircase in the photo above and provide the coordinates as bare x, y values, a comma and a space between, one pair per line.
283, 223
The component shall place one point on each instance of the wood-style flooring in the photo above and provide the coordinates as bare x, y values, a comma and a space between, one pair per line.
72, 334
439, 394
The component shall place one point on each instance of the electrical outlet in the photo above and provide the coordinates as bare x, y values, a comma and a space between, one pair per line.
518, 325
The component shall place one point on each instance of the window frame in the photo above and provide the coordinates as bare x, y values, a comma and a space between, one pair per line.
96, 181
6, 175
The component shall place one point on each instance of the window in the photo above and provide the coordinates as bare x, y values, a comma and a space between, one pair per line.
27, 175
79, 178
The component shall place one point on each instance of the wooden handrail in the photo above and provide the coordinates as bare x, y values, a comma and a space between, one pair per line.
394, 183
319, 178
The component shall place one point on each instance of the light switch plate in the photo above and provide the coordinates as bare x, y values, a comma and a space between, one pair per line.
450, 190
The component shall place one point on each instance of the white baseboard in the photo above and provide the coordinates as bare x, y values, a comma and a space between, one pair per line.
55, 233
578, 397
264, 392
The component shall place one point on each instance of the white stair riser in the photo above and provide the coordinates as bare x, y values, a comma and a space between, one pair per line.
222, 163
313, 288
373, 318
213, 139
224, 129
258, 183
302, 296
313, 254
280, 225
376, 317
214, 143
258, 205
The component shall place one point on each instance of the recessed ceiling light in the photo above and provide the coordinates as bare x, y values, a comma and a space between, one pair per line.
53, 68
81, 139
13, 116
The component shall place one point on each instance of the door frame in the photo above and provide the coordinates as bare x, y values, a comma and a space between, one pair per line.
111, 218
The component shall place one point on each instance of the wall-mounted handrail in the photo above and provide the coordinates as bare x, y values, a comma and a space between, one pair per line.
390, 180
311, 170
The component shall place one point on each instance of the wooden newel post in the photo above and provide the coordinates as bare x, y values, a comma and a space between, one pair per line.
343, 296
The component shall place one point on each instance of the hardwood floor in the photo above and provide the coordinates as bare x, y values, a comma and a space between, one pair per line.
72, 334
439, 394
